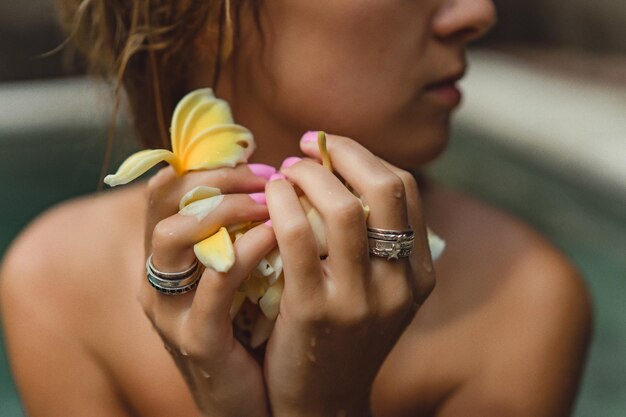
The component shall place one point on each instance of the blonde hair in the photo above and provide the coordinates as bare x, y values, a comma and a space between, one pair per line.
147, 47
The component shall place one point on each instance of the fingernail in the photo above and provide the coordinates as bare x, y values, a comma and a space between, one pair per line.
262, 170
268, 223
290, 161
259, 198
277, 176
310, 136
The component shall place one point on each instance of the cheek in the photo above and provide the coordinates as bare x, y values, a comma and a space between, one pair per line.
336, 67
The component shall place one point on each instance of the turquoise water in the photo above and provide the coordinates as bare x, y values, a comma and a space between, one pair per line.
42, 168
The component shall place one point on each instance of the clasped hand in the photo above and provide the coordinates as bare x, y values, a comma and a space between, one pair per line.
340, 316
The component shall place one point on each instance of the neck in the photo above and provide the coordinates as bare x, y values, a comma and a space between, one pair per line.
275, 139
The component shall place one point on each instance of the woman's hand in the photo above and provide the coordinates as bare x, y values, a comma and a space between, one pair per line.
341, 316
196, 327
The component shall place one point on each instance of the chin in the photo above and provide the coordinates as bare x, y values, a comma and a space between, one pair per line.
425, 145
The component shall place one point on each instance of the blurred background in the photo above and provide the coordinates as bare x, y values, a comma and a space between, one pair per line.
545, 109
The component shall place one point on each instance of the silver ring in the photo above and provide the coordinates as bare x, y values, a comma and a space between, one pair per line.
391, 235
390, 244
181, 282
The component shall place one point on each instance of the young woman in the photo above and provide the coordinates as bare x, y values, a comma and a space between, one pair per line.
504, 333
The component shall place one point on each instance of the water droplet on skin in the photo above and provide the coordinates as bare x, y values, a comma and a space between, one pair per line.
397, 194
313, 341
183, 352
311, 356
428, 266
205, 374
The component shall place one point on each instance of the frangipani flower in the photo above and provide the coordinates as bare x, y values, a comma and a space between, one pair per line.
204, 136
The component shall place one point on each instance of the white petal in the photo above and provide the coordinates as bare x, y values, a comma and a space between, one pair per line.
270, 302
202, 208
198, 193
436, 244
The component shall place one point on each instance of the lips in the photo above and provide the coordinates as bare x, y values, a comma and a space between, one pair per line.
446, 81
444, 92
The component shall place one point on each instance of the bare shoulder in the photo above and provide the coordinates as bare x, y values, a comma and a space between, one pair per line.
69, 237
54, 292
502, 277
60, 254
497, 251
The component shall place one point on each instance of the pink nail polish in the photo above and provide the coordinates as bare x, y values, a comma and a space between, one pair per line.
262, 170
268, 223
259, 198
310, 136
277, 176
290, 161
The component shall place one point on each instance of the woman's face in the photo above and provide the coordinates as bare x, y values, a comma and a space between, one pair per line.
382, 72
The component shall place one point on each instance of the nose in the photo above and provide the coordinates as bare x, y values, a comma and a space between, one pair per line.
464, 20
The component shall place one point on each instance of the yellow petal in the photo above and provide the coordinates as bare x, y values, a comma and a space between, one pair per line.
219, 146
261, 332
205, 115
270, 302
181, 114
216, 252
198, 193
138, 163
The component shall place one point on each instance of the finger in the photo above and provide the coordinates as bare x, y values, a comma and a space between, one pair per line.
216, 290
173, 238
344, 220
378, 187
298, 249
421, 260
166, 188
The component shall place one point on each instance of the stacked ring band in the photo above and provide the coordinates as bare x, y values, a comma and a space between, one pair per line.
173, 283
390, 244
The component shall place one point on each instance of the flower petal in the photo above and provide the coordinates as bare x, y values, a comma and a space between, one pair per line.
202, 208
198, 193
263, 268
270, 302
181, 114
239, 228
204, 115
436, 244
216, 251
138, 163
218, 146
254, 288
276, 262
